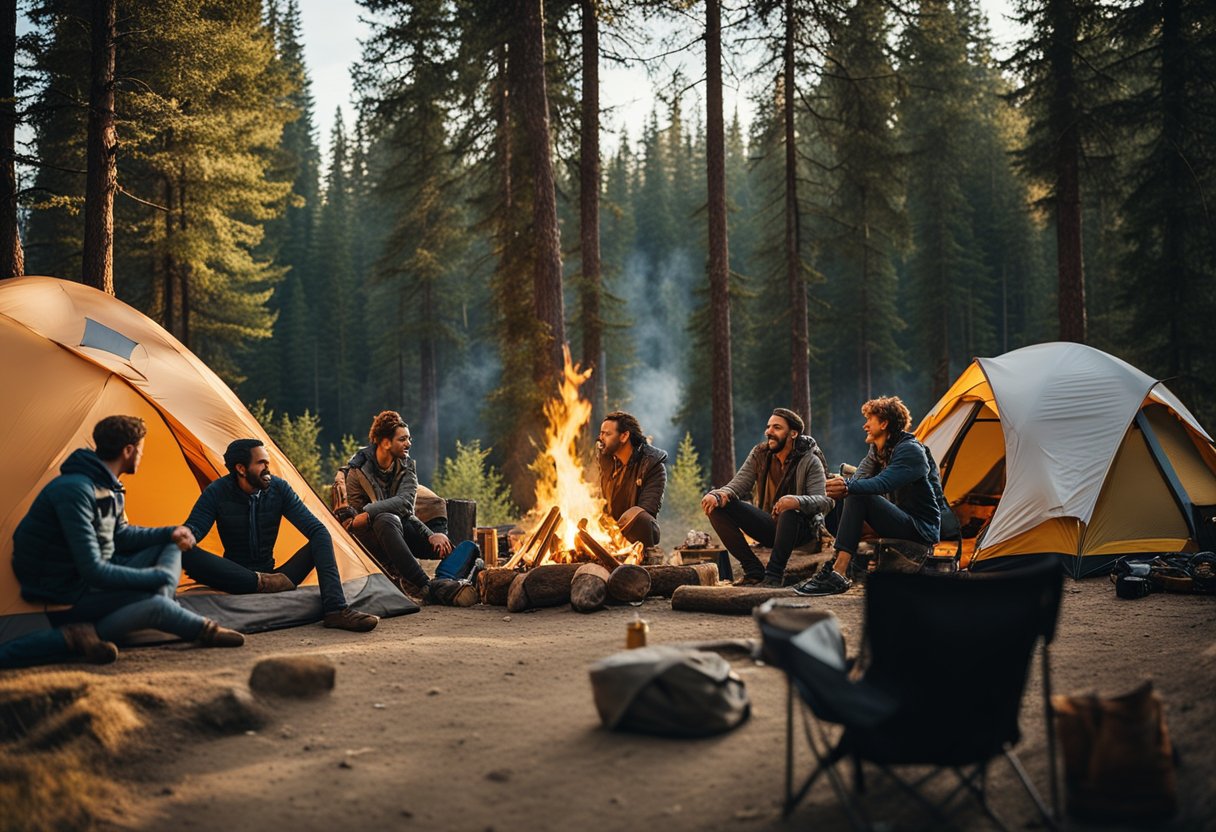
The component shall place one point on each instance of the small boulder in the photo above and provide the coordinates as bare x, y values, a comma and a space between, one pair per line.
231, 711
300, 677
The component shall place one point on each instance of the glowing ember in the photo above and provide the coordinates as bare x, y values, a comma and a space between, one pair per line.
559, 469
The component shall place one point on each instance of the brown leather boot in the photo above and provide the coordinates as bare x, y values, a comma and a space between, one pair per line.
353, 620
82, 639
274, 582
213, 635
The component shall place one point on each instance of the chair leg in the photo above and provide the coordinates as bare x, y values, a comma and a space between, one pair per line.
1049, 713
788, 806
1016, 765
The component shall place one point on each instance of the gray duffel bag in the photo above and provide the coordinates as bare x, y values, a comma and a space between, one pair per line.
669, 691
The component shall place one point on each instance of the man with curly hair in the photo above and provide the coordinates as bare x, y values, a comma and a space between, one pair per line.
892, 491
381, 490
633, 477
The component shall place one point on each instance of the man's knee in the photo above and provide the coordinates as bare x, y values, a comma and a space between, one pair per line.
387, 523
639, 526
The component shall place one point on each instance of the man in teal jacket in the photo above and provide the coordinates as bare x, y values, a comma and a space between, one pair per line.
75, 547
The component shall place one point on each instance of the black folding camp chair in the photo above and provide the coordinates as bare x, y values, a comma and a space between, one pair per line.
945, 666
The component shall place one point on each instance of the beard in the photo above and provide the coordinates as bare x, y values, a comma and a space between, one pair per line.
777, 444
257, 483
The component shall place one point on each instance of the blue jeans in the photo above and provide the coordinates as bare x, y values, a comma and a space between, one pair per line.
227, 575
396, 542
114, 612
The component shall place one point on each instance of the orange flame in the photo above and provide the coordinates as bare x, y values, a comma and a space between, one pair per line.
559, 468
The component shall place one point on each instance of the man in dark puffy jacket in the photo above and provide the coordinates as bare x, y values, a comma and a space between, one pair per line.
248, 506
75, 547
785, 476
633, 476
381, 488
895, 466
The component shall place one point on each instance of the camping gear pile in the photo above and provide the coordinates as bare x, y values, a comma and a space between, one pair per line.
1138, 577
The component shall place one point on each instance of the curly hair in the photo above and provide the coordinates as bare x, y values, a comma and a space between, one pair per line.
385, 425
114, 433
627, 422
889, 409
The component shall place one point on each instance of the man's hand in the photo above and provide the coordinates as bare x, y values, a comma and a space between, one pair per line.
786, 503
361, 521
710, 502
836, 487
183, 537
441, 544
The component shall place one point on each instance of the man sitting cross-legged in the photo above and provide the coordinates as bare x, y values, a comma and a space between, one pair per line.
381, 487
74, 546
248, 506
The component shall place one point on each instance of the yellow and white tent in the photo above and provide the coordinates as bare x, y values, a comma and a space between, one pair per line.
73, 355
1062, 449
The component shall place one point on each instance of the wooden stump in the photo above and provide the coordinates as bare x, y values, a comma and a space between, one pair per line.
628, 583
462, 519
664, 580
727, 600
589, 589
493, 585
545, 586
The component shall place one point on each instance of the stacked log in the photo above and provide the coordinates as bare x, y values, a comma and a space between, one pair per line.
589, 588
629, 583
664, 580
493, 585
728, 600
546, 586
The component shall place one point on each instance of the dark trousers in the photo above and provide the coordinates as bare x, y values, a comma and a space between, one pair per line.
229, 576
782, 534
882, 515
397, 542
640, 527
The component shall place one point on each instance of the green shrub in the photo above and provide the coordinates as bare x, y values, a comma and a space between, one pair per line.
682, 502
297, 438
466, 476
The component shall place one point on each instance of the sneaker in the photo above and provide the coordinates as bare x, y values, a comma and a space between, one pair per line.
825, 582
353, 620
749, 580
449, 593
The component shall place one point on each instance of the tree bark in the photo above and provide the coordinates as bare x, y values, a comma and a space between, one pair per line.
546, 586
493, 585
589, 588
101, 180
722, 408
628, 583
665, 580
12, 257
800, 354
428, 392
533, 103
727, 600
1069, 257
1174, 128
589, 212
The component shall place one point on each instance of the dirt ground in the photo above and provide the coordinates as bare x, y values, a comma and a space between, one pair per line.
476, 719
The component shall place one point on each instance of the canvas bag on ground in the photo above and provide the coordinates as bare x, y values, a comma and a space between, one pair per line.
669, 691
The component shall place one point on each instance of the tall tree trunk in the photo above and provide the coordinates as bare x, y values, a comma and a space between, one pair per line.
1069, 258
428, 390
97, 267
1174, 118
183, 269
589, 212
721, 406
168, 271
800, 355
533, 105
12, 257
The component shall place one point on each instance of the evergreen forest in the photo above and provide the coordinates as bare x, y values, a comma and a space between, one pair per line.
900, 201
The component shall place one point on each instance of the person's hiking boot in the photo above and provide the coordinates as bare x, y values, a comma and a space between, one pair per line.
213, 635
749, 580
82, 639
449, 593
353, 620
770, 582
274, 582
826, 581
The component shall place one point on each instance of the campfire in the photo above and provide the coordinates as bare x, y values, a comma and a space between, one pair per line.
569, 523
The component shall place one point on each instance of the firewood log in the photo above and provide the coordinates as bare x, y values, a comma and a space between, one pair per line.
589, 588
628, 583
664, 580
462, 518
727, 600
493, 584
593, 546
545, 586
528, 550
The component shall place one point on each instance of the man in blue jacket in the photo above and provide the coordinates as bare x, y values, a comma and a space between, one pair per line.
75, 547
248, 506
895, 466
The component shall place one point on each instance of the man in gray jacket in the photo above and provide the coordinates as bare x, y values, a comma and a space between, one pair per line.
785, 476
381, 492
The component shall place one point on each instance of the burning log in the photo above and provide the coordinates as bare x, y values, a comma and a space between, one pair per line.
494, 583
628, 583
589, 589
664, 580
593, 547
546, 586
726, 600
538, 544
